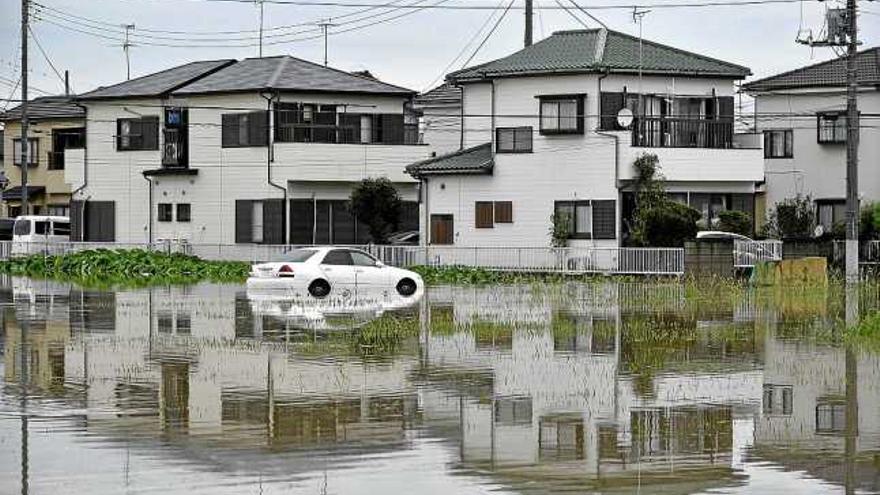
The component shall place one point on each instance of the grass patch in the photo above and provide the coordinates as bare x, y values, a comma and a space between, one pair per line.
126, 267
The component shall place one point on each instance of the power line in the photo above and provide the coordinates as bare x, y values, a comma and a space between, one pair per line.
46, 56
489, 34
331, 3
573, 16
591, 16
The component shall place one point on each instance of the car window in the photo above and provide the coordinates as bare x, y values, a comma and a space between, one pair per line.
41, 228
300, 255
360, 258
337, 257
22, 227
60, 228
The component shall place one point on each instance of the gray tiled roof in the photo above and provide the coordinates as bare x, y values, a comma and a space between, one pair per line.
158, 83
600, 50
445, 94
286, 73
475, 160
46, 107
828, 73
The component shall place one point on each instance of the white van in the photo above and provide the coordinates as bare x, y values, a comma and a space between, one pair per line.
39, 234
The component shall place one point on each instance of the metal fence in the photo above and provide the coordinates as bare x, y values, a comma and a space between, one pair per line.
636, 261
747, 253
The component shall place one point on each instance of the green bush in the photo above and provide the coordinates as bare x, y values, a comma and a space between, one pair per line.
376, 203
738, 222
669, 224
792, 218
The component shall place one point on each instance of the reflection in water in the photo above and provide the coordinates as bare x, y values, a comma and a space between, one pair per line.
608, 387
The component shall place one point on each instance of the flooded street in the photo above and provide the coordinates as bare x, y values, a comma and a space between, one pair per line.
606, 387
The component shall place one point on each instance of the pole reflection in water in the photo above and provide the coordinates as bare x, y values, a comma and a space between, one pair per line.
598, 387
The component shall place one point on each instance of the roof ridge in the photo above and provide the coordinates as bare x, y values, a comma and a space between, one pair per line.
601, 41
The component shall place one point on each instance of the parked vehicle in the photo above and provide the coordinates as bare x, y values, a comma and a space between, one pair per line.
6, 226
39, 234
404, 238
324, 270
746, 251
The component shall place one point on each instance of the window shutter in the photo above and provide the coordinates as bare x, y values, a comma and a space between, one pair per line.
258, 125
609, 105
243, 220
302, 217
376, 129
580, 114
503, 212
118, 134
229, 132
725, 107
483, 215
150, 132
351, 127
273, 221
604, 219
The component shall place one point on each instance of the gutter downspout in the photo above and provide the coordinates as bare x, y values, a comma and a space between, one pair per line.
150, 210
82, 230
616, 160
492, 114
270, 157
461, 116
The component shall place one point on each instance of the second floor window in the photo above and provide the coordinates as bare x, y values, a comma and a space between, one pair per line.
184, 212
137, 134
33, 151
513, 140
166, 212
778, 143
562, 114
245, 129
831, 128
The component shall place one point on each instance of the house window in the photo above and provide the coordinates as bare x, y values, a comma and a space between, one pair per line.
562, 114
442, 229
561, 438
778, 399
245, 129
830, 415
513, 410
488, 213
166, 212
513, 140
33, 151
183, 212
830, 212
137, 134
831, 128
58, 210
366, 128
65, 139
778, 144
257, 221
577, 216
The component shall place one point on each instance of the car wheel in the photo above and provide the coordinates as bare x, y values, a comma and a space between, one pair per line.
406, 287
319, 288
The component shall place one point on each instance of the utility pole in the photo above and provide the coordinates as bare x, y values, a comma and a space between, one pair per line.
852, 147
529, 11
261, 28
324, 26
125, 47
24, 106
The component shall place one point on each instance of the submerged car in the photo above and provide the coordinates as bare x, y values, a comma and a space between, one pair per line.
321, 271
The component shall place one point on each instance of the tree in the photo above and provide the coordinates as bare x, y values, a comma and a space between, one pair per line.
376, 203
657, 220
560, 229
738, 222
792, 218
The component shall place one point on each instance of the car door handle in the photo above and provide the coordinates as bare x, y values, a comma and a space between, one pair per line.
361, 270
328, 269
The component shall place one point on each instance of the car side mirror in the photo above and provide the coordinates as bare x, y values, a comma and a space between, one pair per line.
379, 264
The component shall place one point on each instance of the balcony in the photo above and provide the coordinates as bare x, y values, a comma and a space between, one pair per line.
405, 134
677, 132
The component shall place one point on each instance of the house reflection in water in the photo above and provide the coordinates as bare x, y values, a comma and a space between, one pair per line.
534, 390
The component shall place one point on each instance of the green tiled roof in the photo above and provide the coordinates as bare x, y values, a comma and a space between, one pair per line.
828, 73
600, 50
475, 160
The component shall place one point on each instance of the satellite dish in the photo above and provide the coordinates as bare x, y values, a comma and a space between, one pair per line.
819, 231
624, 118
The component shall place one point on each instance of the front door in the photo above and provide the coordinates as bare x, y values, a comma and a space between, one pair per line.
442, 229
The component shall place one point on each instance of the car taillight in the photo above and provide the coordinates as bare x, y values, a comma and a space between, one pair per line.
285, 271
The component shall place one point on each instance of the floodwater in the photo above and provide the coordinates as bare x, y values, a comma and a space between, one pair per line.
581, 388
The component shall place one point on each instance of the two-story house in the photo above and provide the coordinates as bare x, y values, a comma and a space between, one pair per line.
262, 150
55, 124
543, 131
802, 114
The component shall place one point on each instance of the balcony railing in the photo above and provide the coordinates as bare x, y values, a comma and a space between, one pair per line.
676, 132
341, 134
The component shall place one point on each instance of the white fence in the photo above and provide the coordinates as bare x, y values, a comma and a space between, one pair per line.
636, 261
747, 253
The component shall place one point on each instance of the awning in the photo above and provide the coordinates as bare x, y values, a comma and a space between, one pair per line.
14, 193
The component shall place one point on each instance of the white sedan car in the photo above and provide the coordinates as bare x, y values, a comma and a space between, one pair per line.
323, 270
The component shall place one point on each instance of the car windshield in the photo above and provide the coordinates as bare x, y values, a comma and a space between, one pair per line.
300, 255
22, 227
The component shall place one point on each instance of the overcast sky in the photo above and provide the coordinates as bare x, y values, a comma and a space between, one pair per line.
410, 51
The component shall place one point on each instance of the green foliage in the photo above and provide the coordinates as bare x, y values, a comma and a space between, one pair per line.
792, 218
869, 221
376, 203
135, 267
738, 222
657, 220
560, 229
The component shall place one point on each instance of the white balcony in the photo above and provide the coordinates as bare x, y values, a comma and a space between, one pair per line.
698, 164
